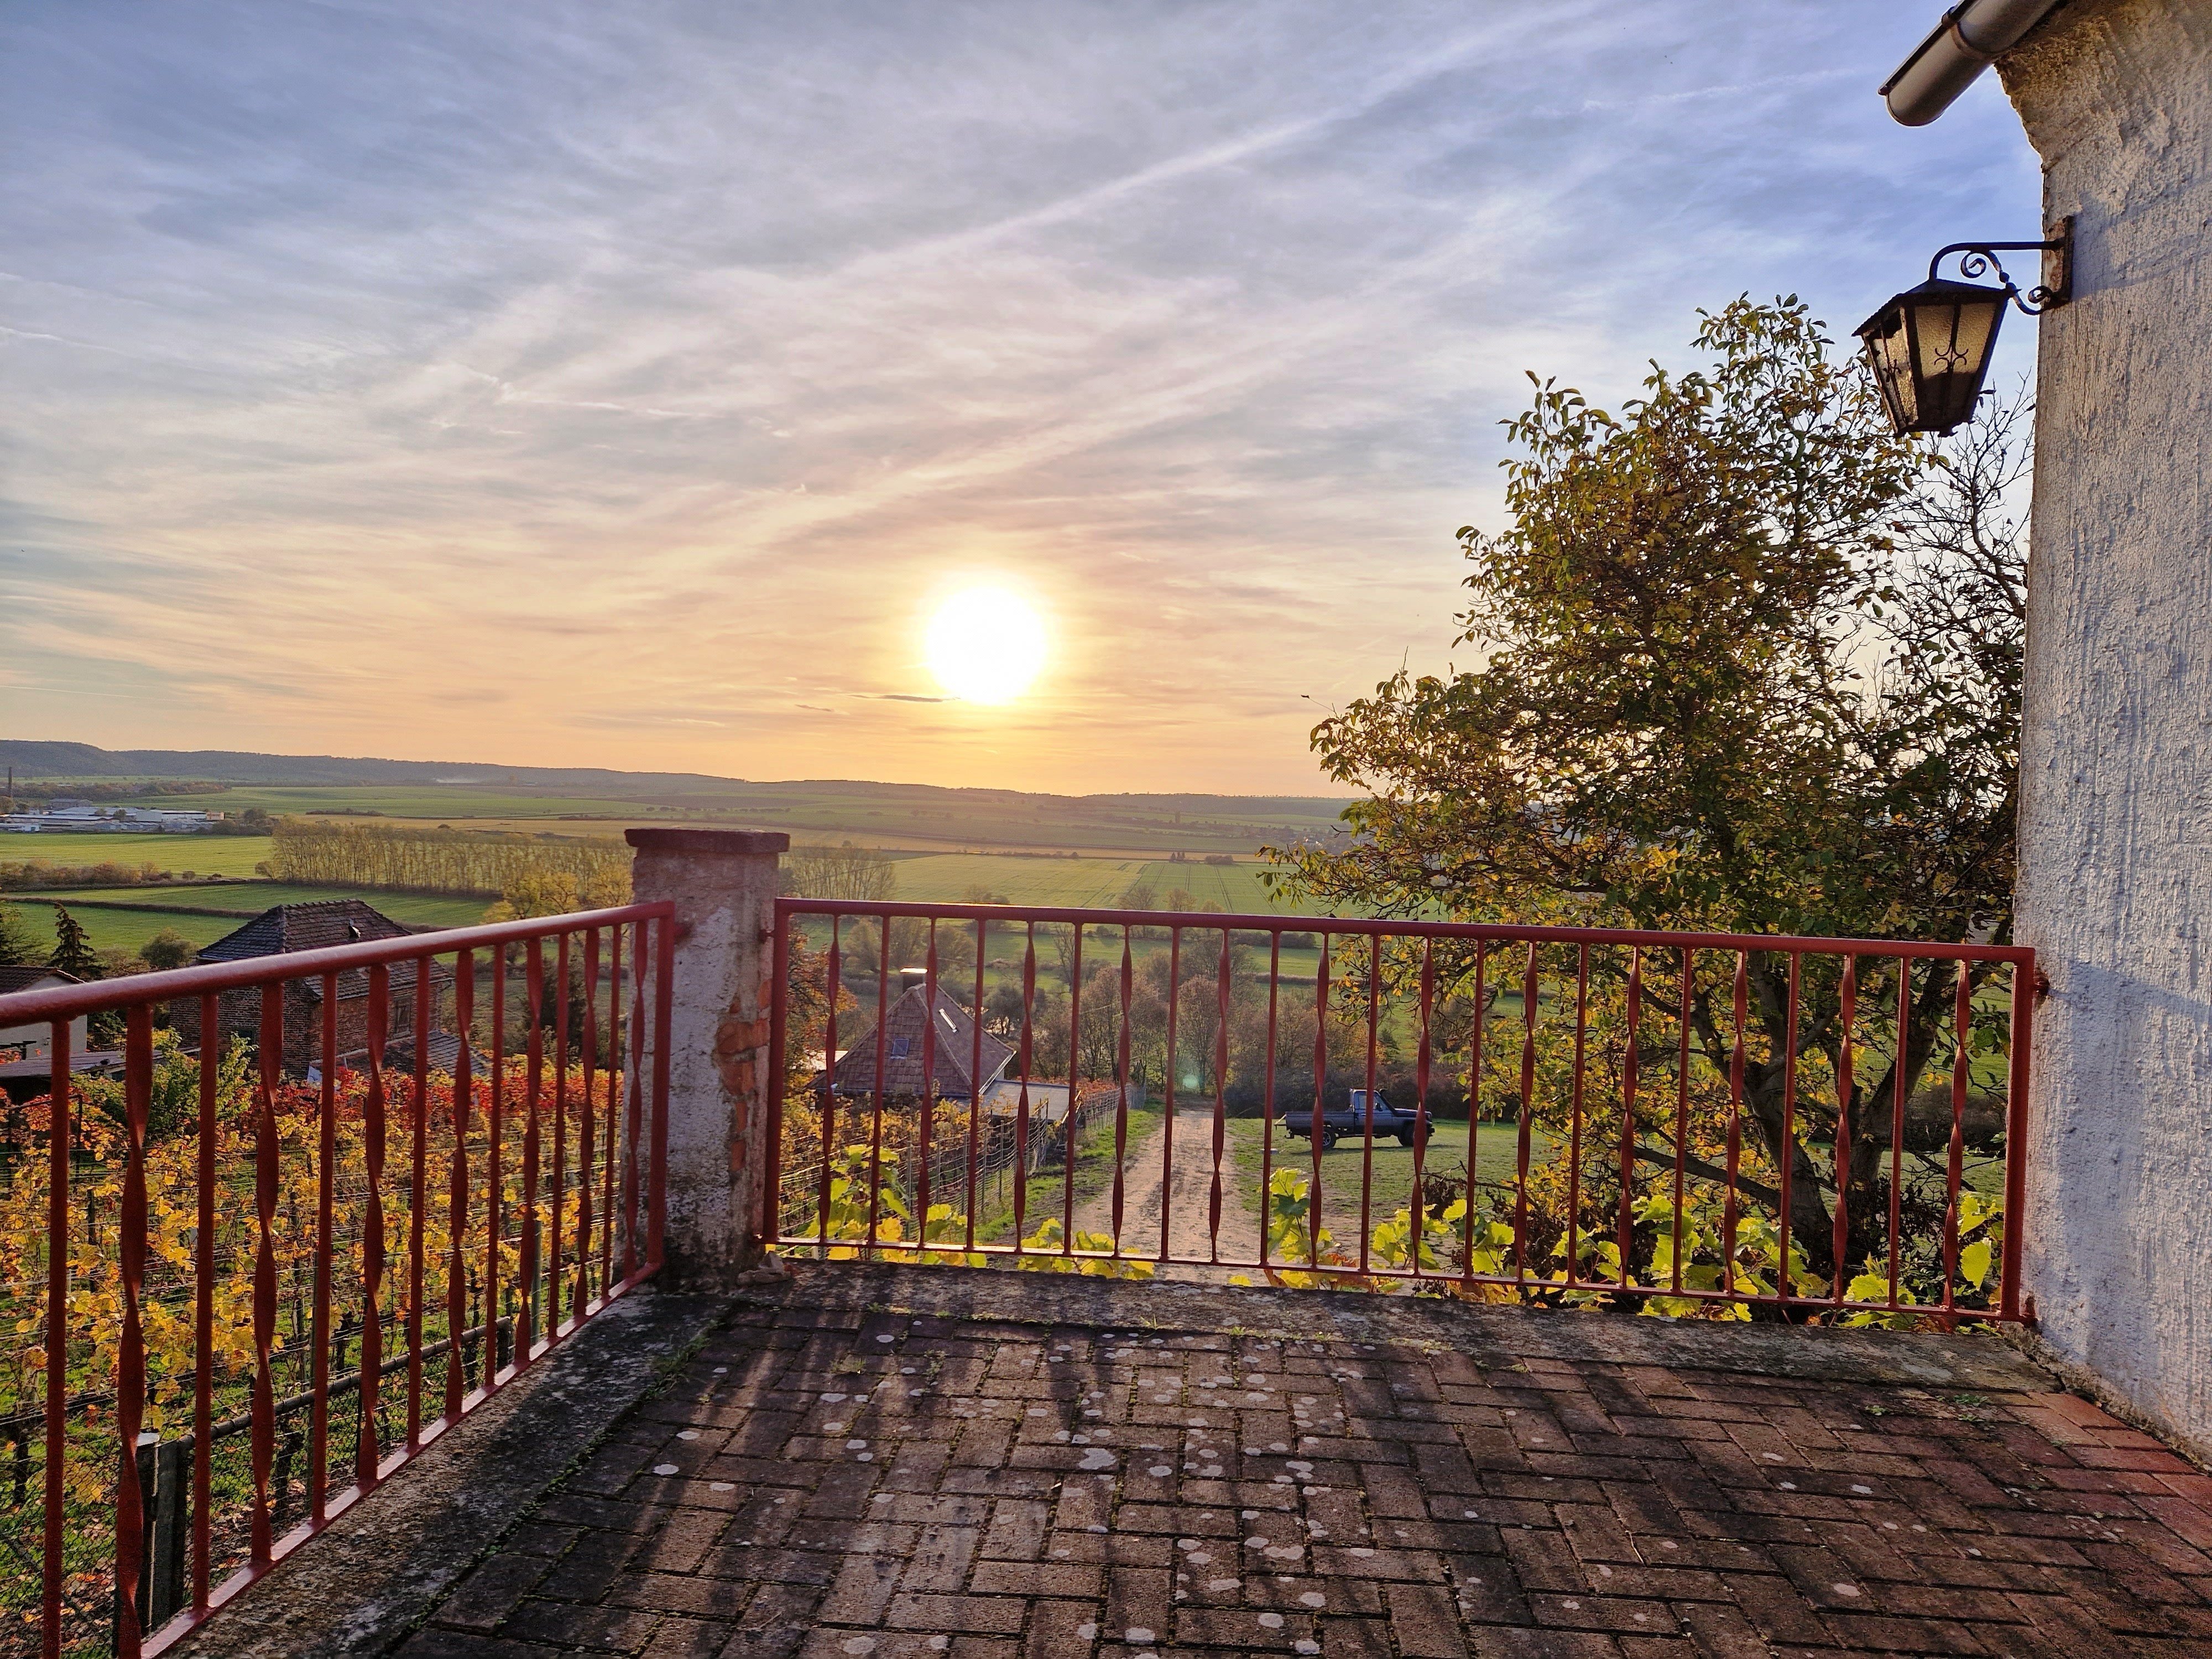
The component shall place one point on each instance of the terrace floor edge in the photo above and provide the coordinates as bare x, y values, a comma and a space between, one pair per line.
1492, 1336
378, 1570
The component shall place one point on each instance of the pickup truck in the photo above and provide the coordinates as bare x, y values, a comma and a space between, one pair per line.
1350, 1119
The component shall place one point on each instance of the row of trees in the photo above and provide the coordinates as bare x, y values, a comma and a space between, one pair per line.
440, 860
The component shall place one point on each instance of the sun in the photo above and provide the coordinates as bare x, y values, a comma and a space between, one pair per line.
986, 645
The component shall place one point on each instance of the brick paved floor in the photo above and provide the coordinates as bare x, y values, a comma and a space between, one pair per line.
847, 1485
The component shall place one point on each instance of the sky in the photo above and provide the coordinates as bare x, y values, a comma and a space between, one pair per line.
567, 384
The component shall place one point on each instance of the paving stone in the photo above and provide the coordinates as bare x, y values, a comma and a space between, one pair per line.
1064, 1489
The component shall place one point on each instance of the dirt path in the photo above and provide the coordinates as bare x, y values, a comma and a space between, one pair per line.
1189, 1200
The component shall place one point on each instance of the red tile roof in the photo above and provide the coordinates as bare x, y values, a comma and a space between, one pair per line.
956, 1040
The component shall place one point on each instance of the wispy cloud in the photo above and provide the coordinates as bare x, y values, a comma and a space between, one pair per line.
624, 385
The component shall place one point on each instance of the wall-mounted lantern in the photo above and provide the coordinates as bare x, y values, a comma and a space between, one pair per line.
1929, 346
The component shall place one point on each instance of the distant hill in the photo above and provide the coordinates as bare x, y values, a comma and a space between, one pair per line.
68, 762
879, 813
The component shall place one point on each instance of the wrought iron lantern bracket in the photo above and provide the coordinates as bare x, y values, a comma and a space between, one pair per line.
2054, 291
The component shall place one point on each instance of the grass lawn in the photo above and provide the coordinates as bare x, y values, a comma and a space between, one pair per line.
1497, 1159
1094, 1174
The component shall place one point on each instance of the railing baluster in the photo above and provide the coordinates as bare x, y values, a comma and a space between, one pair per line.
929, 1128
59, 1132
211, 1038
1268, 1093
1790, 1114
495, 1174
830, 1058
1222, 991
1421, 1060
1474, 1111
1021, 1102
326, 1158
1575, 1117
634, 1099
1624, 1220
533, 1062
1731, 1202
131, 1347
418, 1190
457, 1305
1900, 1090
974, 1078
1074, 1093
1316, 1128
1121, 1084
1954, 1170
1846, 1085
1682, 1136
1528, 1000
2024, 978
263, 1442
367, 1451
557, 1255
883, 1053
770, 1235
1168, 1101
610, 1155
1367, 1123
586, 1117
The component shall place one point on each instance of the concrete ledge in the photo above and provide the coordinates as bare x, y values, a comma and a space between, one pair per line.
380, 1568
1491, 1335
709, 840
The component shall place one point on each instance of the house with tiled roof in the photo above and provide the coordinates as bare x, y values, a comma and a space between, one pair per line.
286, 929
27, 1051
963, 1060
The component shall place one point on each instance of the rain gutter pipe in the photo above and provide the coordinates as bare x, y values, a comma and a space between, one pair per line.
1972, 35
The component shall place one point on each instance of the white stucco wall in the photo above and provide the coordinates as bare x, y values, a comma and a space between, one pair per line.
2115, 824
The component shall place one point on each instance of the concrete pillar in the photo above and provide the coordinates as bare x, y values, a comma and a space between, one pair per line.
723, 884
2115, 887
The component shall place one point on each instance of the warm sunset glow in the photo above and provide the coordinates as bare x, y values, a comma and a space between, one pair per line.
986, 645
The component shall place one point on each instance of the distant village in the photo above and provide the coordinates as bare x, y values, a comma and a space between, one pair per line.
81, 817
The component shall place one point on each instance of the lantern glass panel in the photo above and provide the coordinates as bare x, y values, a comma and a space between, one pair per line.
1888, 354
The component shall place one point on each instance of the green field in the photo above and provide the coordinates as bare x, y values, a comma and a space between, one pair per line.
949, 877
111, 929
416, 909
587, 801
1083, 883
430, 801
1235, 887
124, 930
206, 855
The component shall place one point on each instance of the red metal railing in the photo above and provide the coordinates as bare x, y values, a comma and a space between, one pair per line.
1697, 1122
277, 1160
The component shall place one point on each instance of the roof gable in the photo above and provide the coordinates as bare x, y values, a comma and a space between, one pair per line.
30, 976
955, 1038
284, 929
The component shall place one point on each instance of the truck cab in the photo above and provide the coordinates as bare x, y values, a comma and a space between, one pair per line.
1350, 1118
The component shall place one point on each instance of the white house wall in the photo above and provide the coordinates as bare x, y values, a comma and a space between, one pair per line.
2116, 820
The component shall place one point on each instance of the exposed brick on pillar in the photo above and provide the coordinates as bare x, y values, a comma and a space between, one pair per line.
723, 884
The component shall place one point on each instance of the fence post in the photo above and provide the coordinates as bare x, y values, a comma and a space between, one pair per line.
165, 1545
723, 884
